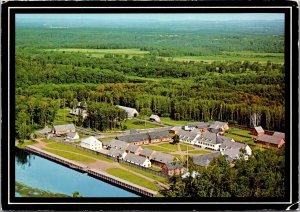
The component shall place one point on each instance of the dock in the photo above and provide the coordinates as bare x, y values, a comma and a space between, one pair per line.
93, 172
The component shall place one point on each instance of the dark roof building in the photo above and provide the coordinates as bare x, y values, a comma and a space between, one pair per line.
135, 149
204, 160
134, 137
159, 135
162, 157
116, 144
147, 153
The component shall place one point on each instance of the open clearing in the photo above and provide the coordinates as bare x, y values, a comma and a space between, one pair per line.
137, 124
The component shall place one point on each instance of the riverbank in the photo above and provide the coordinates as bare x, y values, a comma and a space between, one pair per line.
27, 191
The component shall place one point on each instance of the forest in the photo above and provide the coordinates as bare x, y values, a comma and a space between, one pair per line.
49, 77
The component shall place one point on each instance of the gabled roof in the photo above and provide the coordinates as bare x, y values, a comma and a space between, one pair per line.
212, 138
176, 165
71, 134
232, 145
133, 148
134, 137
204, 160
159, 134
117, 144
64, 127
116, 152
217, 125
269, 139
279, 134
199, 125
135, 158
259, 129
147, 152
130, 111
186, 135
155, 117
90, 140
162, 157
231, 154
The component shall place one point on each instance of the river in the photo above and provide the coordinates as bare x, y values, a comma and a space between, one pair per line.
37, 172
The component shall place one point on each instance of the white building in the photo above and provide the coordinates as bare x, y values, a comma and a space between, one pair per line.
187, 137
72, 136
138, 160
131, 112
91, 143
211, 140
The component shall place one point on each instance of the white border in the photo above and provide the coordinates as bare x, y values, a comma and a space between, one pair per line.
126, 203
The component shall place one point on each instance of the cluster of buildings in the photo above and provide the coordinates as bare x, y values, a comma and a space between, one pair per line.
277, 139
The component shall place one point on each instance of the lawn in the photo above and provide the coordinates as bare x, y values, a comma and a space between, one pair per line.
173, 147
63, 117
47, 140
236, 137
70, 156
245, 133
26, 191
59, 146
25, 143
107, 139
169, 121
184, 147
136, 124
147, 174
155, 168
128, 176
157, 148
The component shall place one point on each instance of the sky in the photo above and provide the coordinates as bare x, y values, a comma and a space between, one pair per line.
152, 16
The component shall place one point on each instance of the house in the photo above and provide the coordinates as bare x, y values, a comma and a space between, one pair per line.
134, 149
226, 145
175, 129
117, 153
131, 112
138, 160
159, 159
115, 144
270, 140
233, 154
257, 131
187, 137
154, 118
137, 139
159, 136
280, 135
211, 140
174, 168
72, 136
204, 160
79, 110
91, 143
63, 129
147, 153
218, 127
201, 126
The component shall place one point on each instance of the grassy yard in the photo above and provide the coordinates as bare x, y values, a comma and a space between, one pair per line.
137, 124
107, 139
173, 147
172, 122
59, 146
25, 143
63, 117
155, 168
185, 146
133, 178
47, 140
245, 133
236, 137
147, 174
70, 156
157, 148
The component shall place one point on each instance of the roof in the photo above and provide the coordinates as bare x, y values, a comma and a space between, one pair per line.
117, 144
162, 157
269, 139
213, 138
175, 128
130, 111
198, 125
64, 127
135, 158
46, 129
279, 134
133, 148
231, 153
159, 134
147, 152
232, 145
204, 160
134, 137
90, 140
71, 134
217, 125
176, 165
115, 152
259, 129
186, 135
155, 117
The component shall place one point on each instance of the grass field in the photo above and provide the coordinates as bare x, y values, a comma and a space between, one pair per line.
47, 140
157, 148
236, 137
107, 139
244, 133
147, 174
63, 117
133, 178
136, 124
172, 122
183, 147
70, 156
27, 191
59, 146
169, 146
25, 143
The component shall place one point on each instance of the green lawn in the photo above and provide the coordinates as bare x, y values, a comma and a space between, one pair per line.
157, 148
155, 168
107, 139
83, 135
25, 143
236, 137
63, 117
59, 146
245, 133
147, 174
137, 124
47, 140
184, 147
70, 156
128, 176
169, 146
172, 122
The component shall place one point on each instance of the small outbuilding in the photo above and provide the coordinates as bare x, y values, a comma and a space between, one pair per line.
137, 160
72, 136
131, 112
154, 118
174, 168
257, 131
270, 140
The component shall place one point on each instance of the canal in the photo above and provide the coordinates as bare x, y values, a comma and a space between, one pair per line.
37, 172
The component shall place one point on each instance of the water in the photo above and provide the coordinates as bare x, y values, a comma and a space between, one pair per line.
37, 172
